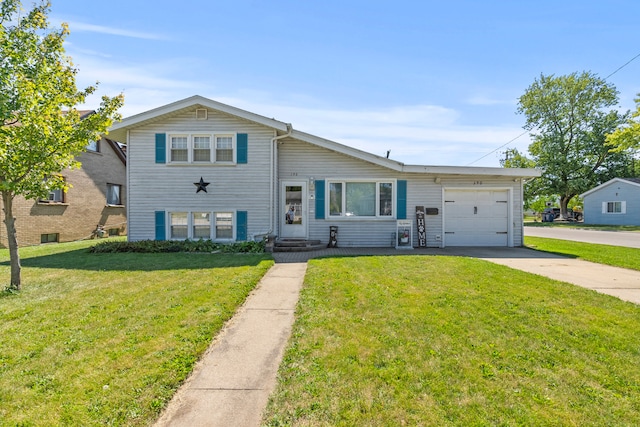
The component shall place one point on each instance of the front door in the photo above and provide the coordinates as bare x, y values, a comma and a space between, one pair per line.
293, 214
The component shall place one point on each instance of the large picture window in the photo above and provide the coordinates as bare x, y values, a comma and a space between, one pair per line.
361, 199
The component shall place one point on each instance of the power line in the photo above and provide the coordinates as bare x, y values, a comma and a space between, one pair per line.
503, 145
625, 64
525, 132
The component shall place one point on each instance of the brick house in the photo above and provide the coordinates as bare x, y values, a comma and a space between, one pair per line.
97, 197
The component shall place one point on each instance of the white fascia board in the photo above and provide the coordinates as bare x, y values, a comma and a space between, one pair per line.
117, 129
471, 170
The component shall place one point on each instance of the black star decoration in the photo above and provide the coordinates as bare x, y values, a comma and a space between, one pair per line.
202, 186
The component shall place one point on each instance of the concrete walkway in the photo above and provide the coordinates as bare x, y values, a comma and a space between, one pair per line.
232, 383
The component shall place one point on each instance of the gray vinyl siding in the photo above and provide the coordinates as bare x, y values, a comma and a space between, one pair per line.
617, 191
302, 161
170, 187
246, 187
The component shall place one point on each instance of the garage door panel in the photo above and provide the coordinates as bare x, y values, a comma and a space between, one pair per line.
476, 218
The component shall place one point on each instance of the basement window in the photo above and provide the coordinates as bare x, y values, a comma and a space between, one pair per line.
50, 238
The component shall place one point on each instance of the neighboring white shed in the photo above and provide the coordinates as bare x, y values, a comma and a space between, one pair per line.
616, 202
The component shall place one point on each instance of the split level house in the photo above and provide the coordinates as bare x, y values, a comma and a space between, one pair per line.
95, 201
198, 168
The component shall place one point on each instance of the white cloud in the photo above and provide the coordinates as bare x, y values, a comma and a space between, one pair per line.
82, 27
485, 100
415, 134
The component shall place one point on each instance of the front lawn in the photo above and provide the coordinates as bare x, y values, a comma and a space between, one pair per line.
106, 339
617, 256
437, 341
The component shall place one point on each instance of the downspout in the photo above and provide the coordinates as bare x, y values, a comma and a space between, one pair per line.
521, 222
127, 169
273, 173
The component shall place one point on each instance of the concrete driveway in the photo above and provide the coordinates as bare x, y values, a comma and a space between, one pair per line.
615, 238
614, 281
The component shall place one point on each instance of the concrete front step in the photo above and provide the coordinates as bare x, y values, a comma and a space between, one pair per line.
297, 245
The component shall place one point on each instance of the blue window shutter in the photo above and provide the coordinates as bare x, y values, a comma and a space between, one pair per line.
241, 227
243, 147
319, 198
401, 202
160, 226
161, 148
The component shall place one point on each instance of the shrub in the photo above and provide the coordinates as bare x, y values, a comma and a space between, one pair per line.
164, 246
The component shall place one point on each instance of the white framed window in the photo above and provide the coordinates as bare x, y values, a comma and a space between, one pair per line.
114, 192
178, 225
224, 148
201, 148
617, 207
201, 225
179, 146
361, 198
224, 225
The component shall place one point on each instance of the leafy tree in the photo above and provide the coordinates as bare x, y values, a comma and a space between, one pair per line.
569, 117
532, 188
41, 132
627, 137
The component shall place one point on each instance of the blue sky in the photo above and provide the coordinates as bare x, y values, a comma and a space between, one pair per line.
435, 82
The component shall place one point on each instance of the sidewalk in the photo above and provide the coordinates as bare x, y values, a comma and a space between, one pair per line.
230, 386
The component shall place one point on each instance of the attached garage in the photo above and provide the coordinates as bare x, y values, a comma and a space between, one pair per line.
477, 217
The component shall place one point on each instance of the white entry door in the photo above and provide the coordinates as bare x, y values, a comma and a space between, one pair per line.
293, 210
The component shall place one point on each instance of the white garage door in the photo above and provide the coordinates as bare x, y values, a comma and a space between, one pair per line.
476, 218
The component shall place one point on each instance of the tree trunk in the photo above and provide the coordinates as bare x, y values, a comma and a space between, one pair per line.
564, 210
10, 221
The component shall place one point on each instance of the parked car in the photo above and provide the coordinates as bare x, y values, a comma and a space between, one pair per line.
571, 215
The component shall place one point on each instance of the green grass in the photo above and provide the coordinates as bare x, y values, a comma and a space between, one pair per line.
616, 256
106, 339
528, 222
444, 341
